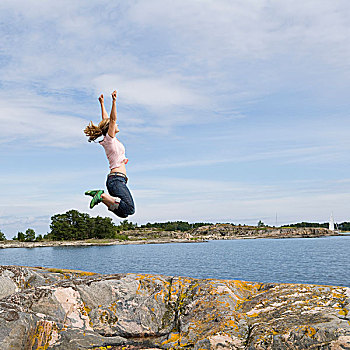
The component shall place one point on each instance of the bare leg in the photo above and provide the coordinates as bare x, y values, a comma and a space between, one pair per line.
108, 200
103, 109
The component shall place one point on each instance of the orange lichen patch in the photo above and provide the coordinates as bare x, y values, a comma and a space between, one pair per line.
210, 317
187, 280
86, 308
238, 291
263, 340
45, 335
200, 325
103, 316
246, 286
108, 316
337, 295
174, 338
340, 302
232, 324
150, 284
114, 307
148, 277
343, 312
308, 330
66, 271
181, 291
213, 315
159, 296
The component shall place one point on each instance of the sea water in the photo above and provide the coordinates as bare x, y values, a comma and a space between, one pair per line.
323, 260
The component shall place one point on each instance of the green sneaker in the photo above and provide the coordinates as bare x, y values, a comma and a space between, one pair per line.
91, 193
96, 199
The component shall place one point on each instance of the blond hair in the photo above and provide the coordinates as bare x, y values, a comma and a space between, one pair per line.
95, 131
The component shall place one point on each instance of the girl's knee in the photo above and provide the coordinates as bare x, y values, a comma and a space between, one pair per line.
124, 210
131, 211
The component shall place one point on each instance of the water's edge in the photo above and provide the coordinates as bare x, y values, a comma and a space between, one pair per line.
104, 242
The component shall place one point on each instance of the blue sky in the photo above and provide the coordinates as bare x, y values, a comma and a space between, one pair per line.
230, 111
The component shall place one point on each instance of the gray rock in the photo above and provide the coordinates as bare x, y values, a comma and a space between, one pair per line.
7, 286
60, 309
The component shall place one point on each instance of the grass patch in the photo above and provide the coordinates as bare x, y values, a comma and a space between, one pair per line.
96, 240
121, 237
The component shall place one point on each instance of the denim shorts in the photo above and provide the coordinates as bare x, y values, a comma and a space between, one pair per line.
116, 186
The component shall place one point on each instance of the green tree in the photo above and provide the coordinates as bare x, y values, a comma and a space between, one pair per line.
170, 226
176, 225
261, 224
29, 236
39, 238
126, 225
308, 224
344, 226
71, 226
2, 236
103, 227
20, 236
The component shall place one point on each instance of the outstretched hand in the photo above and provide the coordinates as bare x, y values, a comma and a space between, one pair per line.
114, 95
101, 98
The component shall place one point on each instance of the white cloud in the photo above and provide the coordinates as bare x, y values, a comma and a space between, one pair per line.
185, 63
247, 28
39, 125
308, 155
165, 55
154, 93
220, 201
193, 199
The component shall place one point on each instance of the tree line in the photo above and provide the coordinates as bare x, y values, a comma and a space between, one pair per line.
2, 236
28, 236
175, 225
308, 224
343, 226
74, 225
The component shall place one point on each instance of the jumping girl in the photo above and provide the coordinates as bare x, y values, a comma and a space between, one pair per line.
119, 201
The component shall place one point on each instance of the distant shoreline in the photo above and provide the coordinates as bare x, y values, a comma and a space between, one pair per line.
200, 239
87, 243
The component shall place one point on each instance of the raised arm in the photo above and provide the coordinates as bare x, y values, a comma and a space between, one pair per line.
103, 109
113, 116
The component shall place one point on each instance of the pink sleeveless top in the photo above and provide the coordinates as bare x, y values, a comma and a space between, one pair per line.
115, 151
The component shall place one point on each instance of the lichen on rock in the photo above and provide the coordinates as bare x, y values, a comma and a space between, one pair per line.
61, 309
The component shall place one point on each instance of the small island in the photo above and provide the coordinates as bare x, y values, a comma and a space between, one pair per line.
79, 229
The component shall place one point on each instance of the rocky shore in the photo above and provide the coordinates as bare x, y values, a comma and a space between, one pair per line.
70, 310
95, 242
201, 234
